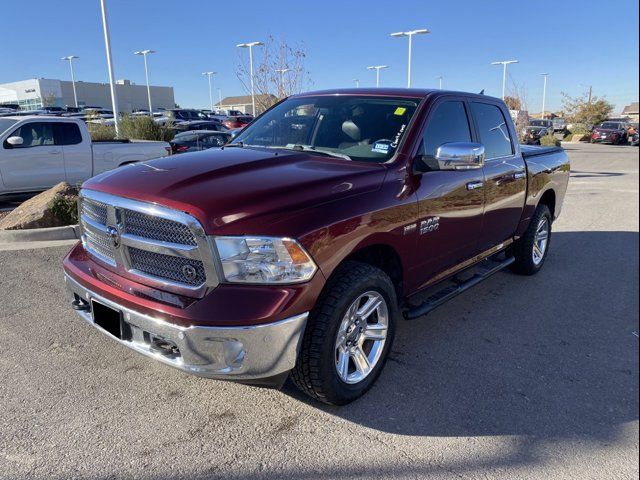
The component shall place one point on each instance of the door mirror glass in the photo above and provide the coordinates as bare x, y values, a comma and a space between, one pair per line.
15, 141
460, 156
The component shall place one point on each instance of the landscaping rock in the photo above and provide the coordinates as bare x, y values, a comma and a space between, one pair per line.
43, 210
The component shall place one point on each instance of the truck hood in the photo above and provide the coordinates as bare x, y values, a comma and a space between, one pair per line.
241, 190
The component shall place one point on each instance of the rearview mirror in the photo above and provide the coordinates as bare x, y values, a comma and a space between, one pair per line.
460, 156
15, 141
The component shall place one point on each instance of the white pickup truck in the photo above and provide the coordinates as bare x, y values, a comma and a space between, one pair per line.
38, 152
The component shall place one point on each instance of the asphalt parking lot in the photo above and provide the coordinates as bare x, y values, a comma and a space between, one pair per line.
522, 377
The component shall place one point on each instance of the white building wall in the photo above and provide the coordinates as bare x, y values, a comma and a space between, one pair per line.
30, 93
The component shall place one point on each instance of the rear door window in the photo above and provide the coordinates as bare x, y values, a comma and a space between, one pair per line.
493, 130
69, 134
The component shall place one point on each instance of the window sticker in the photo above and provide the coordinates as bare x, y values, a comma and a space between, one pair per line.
381, 147
400, 111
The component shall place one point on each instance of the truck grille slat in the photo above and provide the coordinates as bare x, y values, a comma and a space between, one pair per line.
105, 218
167, 266
157, 228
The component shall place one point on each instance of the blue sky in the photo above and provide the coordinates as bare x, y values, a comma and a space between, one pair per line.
579, 43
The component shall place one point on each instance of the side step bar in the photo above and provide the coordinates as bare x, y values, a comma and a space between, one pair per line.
447, 293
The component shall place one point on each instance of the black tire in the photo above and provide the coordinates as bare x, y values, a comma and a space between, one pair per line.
525, 263
315, 372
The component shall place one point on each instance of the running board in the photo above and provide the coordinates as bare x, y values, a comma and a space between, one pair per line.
447, 293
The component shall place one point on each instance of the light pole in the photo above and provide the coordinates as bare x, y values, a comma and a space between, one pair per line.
440, 78
250, 46
544, 94
504, 64
410, 34
377, 68
71, 58
209, 75
219, 97
282, 71
144, 53
357, 82
112, 82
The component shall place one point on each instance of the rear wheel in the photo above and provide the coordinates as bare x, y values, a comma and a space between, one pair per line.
348, 336
530, 251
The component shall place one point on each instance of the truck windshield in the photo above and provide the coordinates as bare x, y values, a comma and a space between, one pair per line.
345, 126
5, 124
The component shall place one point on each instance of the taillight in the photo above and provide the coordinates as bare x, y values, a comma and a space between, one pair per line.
182, 148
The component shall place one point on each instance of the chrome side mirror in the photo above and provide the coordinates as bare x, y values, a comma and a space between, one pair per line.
15, 141
460, 156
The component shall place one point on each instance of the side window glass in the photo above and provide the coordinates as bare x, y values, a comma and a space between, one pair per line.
36, 134
71, 134
449, 123
493, 130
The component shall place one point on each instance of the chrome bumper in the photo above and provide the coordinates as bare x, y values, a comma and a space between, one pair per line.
229, 353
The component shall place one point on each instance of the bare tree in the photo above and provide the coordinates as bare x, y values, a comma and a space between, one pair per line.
279, 72
517, 100
48, 99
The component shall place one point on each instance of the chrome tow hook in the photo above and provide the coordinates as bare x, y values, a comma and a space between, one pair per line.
80, 305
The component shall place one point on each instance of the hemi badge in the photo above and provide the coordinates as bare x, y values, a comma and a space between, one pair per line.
410, 228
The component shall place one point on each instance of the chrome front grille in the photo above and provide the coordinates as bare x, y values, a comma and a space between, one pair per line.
148, 243
157, 228
167, 266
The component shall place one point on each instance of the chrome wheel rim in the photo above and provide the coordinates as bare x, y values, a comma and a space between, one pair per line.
541, 241
361, 337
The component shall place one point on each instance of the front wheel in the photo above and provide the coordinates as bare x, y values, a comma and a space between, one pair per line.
530, 251
348, 335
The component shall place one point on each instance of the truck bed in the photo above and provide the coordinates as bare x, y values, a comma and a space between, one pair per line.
530, 151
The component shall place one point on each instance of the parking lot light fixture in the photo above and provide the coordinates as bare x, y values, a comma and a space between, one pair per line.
112, 82
377, 68
544, 94
209, 75
504, 64
282, 71
144, 53
410, 34
71, 58
250, 46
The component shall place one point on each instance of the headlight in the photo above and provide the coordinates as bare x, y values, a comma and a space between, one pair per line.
263, 260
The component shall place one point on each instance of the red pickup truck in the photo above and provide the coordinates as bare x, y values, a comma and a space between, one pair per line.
294, 250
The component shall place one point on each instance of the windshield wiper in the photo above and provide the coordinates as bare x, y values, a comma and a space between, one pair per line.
237, 144
308, 148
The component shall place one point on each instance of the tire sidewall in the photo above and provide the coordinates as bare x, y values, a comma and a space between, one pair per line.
338, 391
542, 213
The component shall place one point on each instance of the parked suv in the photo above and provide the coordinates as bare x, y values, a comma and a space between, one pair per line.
610, 132
295, 250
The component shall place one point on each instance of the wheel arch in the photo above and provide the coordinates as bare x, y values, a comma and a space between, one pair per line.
382, 256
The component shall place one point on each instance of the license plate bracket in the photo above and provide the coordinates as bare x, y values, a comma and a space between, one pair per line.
107, 318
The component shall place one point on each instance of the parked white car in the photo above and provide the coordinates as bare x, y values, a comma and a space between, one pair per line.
38, 152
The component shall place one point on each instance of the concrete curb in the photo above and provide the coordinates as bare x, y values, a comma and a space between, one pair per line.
68, 232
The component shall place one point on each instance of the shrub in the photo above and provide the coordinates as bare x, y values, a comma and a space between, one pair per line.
65, 209
99, 132
580, 129
144, 128
132, 128
549, 141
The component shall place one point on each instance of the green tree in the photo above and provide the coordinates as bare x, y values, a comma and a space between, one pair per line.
585, 110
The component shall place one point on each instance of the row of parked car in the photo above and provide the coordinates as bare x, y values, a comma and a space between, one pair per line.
195, 129
615, 131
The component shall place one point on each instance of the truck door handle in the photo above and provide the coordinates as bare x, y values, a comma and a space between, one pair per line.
475, 185
519, 175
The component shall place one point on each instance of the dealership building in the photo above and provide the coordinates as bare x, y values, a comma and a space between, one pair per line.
38, 92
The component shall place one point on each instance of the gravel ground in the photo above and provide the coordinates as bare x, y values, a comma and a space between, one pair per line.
520, 378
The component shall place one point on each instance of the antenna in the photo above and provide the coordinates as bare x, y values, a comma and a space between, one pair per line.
481, 92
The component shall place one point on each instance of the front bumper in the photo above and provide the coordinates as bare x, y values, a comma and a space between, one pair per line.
243, 353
